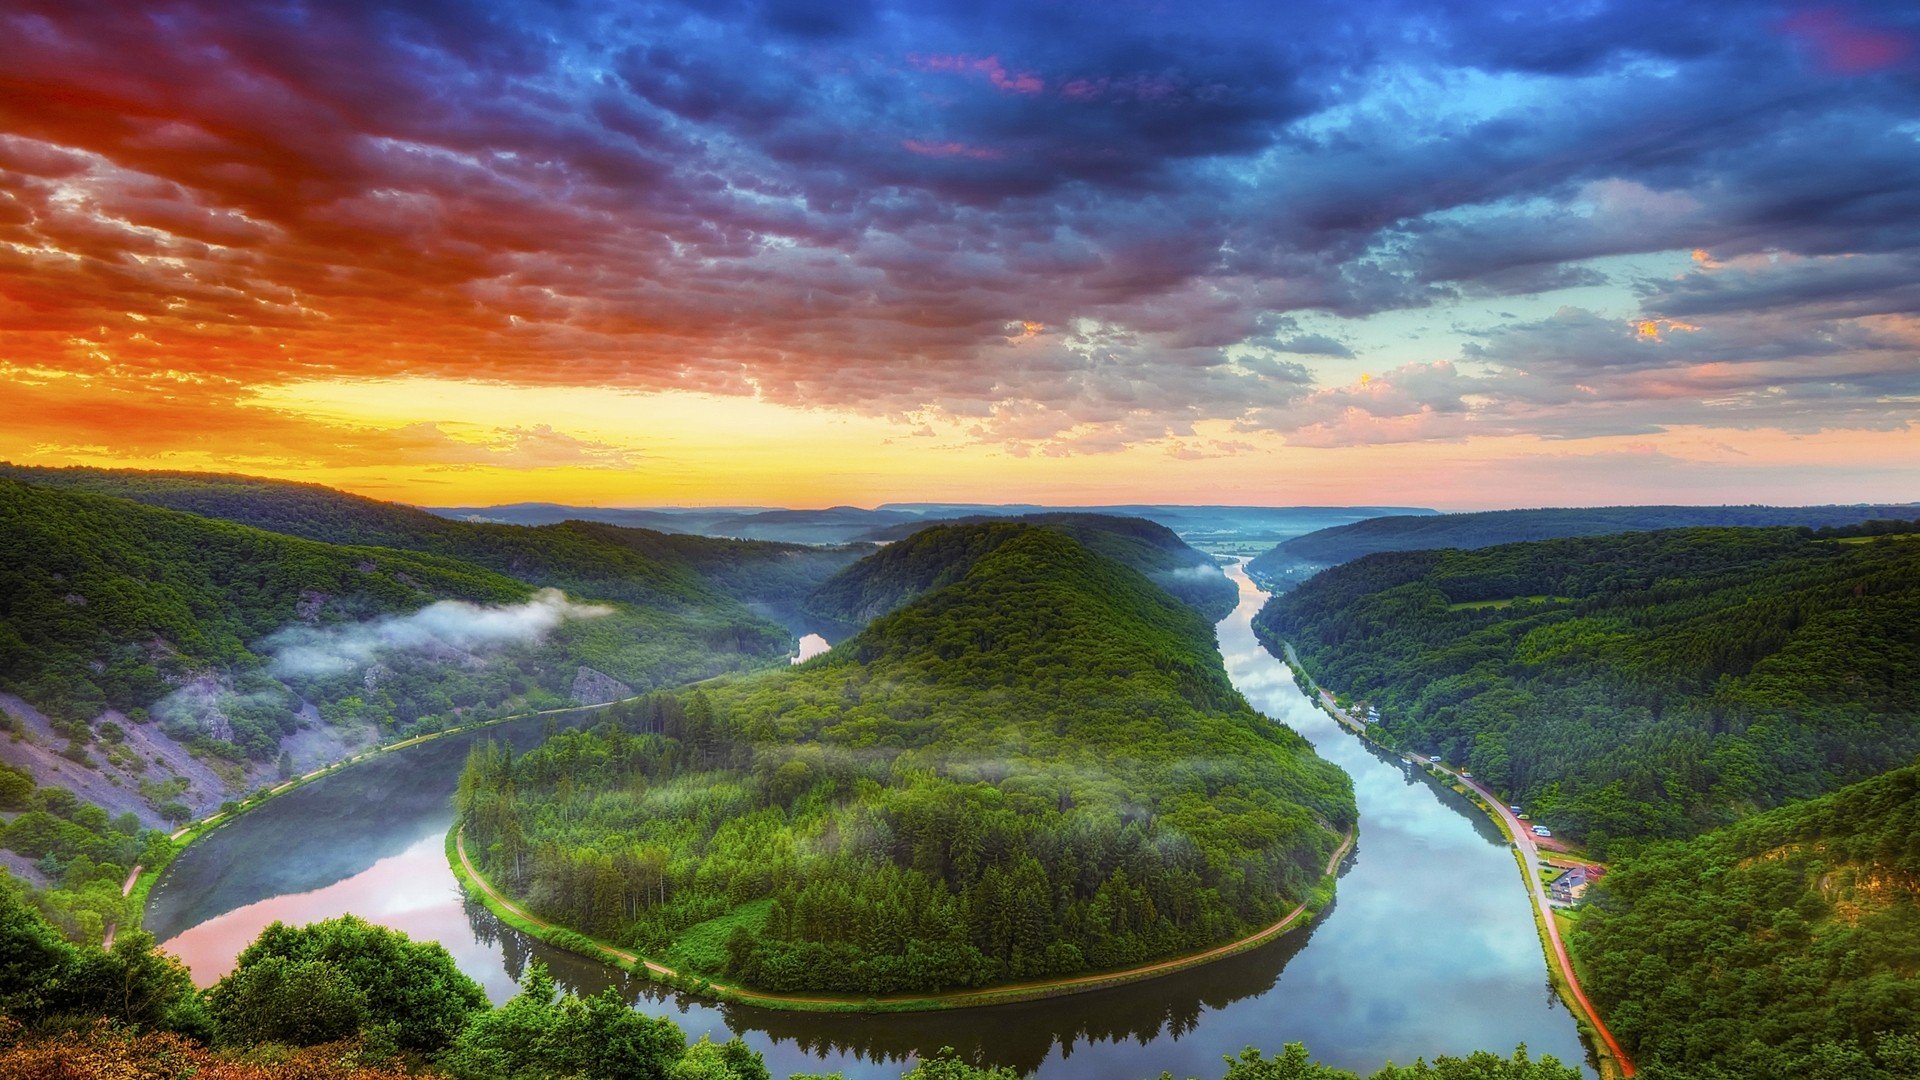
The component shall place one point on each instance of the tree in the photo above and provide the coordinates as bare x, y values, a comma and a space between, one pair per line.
297, 1002
412, 986
534, 1036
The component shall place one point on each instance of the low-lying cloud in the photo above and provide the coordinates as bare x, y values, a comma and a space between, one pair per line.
445, 626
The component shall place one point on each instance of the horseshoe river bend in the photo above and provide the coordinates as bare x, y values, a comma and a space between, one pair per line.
1429, 947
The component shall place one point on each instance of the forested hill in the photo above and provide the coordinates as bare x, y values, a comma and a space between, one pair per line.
1330, 547
143, 634
1639, 685
1037, 769
638, 565
1786, 945
926, 556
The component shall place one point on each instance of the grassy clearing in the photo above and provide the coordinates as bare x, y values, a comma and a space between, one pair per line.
1483, 605
704, 947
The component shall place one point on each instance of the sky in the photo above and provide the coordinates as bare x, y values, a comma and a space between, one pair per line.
1433, 252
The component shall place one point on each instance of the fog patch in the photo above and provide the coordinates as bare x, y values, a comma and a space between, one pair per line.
447, 625
1192, 573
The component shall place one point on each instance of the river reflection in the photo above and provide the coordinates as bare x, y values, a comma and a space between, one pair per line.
1429, 949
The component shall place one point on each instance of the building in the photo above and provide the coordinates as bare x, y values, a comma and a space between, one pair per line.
1569, 886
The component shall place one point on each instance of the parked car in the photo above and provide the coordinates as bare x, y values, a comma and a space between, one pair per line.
1515, 809
1542, 830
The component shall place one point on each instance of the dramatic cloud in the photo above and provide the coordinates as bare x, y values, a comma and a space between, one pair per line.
1064, 228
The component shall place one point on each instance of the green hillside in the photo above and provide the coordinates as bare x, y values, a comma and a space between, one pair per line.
1035, 769
110, 603
639, 565
925, 556
1639, 685
1786, 945
1330, 547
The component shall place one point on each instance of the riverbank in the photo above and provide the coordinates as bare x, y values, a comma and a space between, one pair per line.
1610, 1057
573, 941
140, 882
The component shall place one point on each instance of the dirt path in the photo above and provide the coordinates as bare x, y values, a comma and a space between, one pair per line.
995, 995
126, 890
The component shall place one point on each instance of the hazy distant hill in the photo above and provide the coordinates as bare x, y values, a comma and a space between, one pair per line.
925, 556
832, 525
646, 567
1242, 530
1038, 767
1328, 547
1646, 684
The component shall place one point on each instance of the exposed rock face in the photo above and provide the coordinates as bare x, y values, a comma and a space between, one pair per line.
307, 608
592, 687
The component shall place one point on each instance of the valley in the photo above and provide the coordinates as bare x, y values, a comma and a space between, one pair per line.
1390, 971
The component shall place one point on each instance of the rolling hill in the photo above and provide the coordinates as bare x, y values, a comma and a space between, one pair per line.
1638, 685
1342, 543
161, 660
1785, 945
921, 556
1035, 768
666, 570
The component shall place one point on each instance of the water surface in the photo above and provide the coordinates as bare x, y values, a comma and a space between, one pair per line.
1428, 949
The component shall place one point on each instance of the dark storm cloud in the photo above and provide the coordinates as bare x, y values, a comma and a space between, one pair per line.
1073, 224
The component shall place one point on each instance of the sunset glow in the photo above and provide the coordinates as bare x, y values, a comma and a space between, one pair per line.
803, 255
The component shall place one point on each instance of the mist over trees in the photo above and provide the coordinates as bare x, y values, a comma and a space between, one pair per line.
1035, 770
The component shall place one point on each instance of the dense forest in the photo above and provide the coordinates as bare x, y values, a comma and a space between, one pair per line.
1633, 686
663, 570
165, 663
924, 555
1342, 543
109, 603
1785, 945
1034, 769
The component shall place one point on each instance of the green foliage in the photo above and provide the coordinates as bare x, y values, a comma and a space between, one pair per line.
534, 1036
917, 561
1405, 532
947, 1065
411, 987
46, 980
84, 854
1667, 682
1294, 1063
110, 603
708, 1060
1785, 945
1035, 769
640, 566
297, 1002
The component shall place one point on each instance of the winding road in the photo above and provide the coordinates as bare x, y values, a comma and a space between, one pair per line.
1529, 849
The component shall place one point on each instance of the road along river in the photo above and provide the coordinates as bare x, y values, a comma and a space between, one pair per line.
1429, 948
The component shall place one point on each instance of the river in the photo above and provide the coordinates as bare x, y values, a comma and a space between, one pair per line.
1429, 947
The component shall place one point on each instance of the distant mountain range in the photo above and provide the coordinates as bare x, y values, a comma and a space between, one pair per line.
1294, 558
1237, 529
